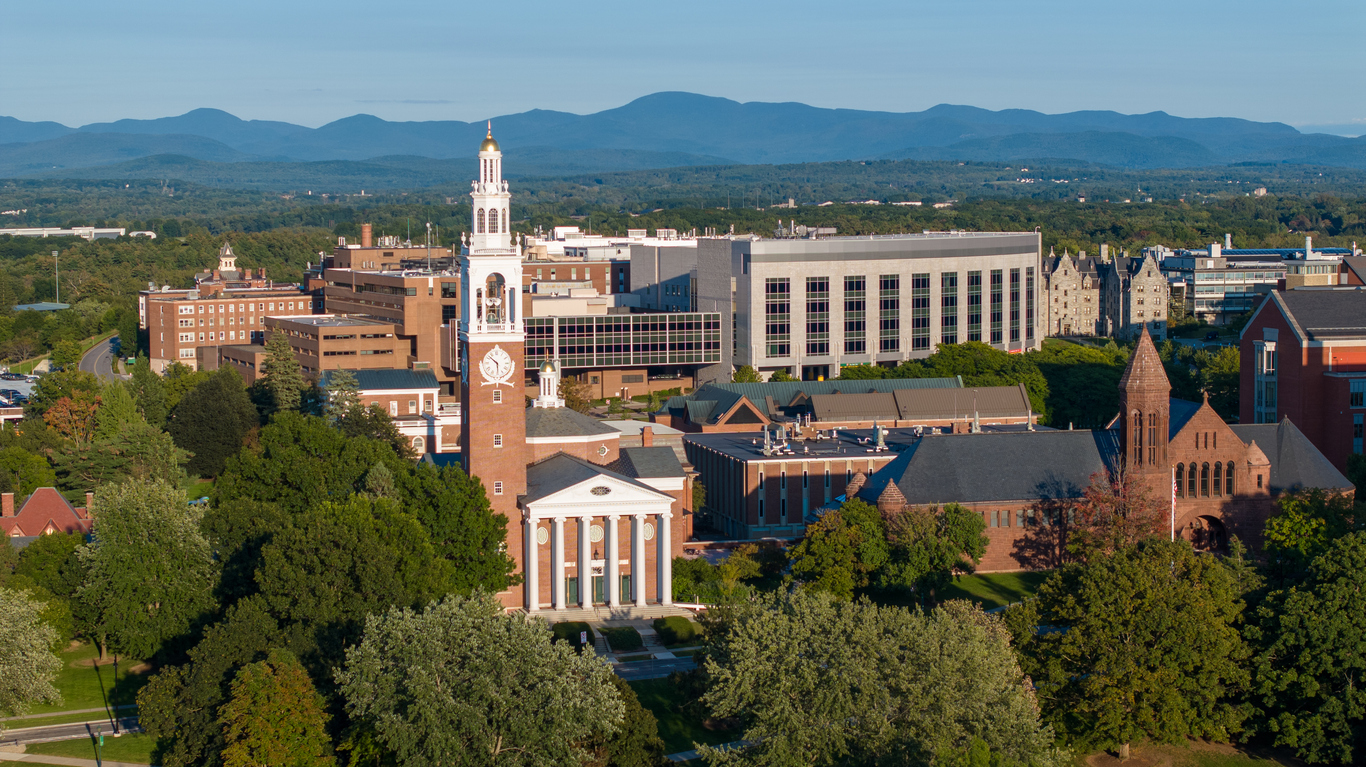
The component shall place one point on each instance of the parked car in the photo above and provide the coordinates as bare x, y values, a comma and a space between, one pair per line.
1213, 335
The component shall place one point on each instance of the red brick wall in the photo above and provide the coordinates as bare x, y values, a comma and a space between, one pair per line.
588, 451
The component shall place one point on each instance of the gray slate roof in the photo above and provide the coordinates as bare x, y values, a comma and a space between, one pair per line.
563, 422
389, 379
996, 467
923, 404
1295, 462
1326, 313
709, 402
561, 471
648, 462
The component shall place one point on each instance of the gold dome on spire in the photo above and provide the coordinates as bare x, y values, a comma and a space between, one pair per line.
490, 143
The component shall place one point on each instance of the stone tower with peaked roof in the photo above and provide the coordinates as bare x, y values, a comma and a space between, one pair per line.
1145, 412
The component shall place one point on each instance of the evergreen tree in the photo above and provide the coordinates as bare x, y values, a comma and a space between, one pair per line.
212, 420
275, 716
283, 376
343, 394
117, 411
150, 392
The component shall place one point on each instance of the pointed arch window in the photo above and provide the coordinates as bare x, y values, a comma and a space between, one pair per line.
479, 221
1180, 479
1218, 478
1138, 437
1190, 481
1204, 480
1228, 479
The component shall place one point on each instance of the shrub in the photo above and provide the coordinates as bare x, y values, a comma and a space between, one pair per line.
569, 631
675, 629
623, 638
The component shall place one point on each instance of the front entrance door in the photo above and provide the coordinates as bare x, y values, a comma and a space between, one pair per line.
599, 590
626, 595
571, 590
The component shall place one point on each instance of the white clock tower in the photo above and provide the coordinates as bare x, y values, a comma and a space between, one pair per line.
491, 339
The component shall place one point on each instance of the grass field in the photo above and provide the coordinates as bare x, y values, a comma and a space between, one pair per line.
679, 732
85, 686
1192, 754
129, 748
995, 589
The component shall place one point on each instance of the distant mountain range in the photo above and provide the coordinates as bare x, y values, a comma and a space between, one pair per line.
666, 130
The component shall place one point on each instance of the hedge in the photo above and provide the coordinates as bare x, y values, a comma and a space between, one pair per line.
675, 629
569, 631
623, 638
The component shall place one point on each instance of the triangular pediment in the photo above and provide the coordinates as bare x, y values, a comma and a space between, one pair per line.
603, 494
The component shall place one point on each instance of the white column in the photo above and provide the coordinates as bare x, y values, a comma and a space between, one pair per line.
638, 579
530, 566
557, 557
664, 558
585, 566
613, 557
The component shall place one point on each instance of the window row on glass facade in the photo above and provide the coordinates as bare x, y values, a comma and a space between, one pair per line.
618, 340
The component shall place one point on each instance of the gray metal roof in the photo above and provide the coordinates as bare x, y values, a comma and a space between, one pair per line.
563, 422
1326, 313
651, 462
709, 402
996, 467
1295, 461
561, 471
389, 379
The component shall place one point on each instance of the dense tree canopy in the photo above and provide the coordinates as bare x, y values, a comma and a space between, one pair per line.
212, 420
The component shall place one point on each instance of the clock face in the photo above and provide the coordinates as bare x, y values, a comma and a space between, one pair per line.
496, 367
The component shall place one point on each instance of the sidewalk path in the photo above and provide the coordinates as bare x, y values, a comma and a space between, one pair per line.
64, 761
51, 714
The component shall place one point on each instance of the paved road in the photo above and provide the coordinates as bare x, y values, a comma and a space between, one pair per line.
653, 669
100, 360
69, 731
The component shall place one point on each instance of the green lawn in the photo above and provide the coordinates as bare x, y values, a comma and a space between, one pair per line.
86, 686
679, 732
995, 589
1193, 754
129, 748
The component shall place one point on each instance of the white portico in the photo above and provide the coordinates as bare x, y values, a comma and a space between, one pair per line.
600, 533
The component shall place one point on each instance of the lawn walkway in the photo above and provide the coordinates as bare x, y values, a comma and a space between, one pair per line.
62, 761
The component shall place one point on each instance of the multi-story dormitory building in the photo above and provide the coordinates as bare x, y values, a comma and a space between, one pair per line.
1089, 296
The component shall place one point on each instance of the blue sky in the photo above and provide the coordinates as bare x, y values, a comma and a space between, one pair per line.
78, 61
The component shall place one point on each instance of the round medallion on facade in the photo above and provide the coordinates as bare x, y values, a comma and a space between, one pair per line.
542, 535
601, 490
595, 533
602, 450
649, 532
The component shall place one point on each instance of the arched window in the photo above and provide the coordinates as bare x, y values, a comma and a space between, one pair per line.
479, 221
1228, 479
1204, 480
1218, 478
1180, 479
1190, 481
493, 221
419, 445
505, 220
1138, 438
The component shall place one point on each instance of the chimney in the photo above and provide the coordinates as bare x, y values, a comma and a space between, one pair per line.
1308, 245
647, 436
89, 501
7, 505
1228, 241
365, 233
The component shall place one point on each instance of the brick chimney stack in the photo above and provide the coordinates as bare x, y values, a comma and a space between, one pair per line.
365, 235
89, 501
7, 505
647, 436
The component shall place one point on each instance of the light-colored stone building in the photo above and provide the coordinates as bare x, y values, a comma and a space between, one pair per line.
1073, 295
1104, 296
1136, 296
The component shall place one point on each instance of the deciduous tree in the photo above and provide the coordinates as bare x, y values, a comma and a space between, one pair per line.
275, 717
149, 572
547, 702
74, 417
22, 471
117, 411
823, 681
27, 663
745, 374
454, 509
827, 559
929, 545
212, 420
1142, 645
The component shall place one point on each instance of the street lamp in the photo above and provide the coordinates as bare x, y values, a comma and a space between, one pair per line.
56, 278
